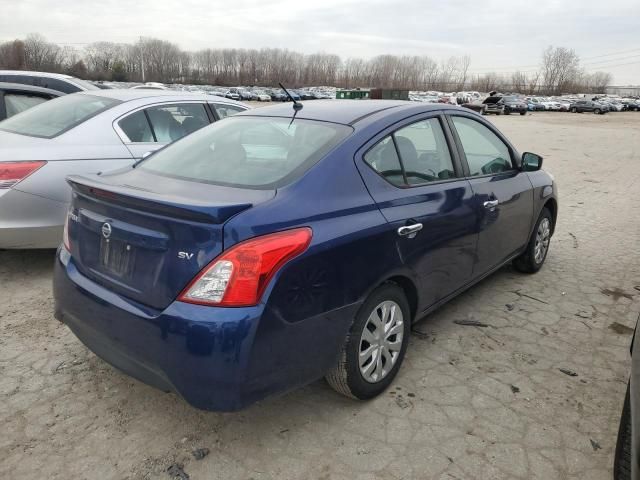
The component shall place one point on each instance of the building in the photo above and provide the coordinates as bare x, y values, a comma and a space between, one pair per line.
628, 91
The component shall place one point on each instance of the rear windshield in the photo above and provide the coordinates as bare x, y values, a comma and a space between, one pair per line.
84, 84
248, 152
57, 116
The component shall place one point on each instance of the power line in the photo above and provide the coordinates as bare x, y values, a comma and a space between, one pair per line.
618, 65
611, 54
612, 60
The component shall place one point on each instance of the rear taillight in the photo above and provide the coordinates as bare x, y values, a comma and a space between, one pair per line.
239, 276
65, 232
14, 172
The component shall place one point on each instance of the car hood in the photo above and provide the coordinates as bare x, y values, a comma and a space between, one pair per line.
15, 147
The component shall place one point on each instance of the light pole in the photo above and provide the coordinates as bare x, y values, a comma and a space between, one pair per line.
142, 58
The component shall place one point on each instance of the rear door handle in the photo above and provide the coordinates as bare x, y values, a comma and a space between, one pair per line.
491, 204
410, 230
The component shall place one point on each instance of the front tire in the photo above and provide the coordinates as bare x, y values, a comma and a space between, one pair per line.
597, 111
375, 345
534, 256
523, 113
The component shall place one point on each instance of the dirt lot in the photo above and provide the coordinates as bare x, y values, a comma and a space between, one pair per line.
469, 403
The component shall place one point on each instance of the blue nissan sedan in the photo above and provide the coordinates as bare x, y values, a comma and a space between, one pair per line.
283, 245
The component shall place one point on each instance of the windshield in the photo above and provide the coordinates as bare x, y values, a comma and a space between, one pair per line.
249, 152
55, 117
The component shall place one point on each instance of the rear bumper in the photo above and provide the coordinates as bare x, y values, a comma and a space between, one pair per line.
215, 358
30, 221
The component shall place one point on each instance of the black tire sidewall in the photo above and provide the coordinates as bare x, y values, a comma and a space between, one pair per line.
359, 387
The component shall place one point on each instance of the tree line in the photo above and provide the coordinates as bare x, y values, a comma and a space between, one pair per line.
157, 60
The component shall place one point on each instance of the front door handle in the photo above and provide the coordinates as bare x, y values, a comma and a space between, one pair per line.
491, 204
410, 231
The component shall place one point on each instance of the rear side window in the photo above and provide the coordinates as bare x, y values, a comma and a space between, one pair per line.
19, 102
57, 84
224, 111
172, 122
250, 152
485, 152
57, 116
424, 152
414, 155
383, 158
137, 128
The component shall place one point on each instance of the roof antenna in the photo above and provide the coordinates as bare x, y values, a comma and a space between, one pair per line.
296, 106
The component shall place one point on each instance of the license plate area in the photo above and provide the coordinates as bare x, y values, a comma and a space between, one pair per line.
116, 257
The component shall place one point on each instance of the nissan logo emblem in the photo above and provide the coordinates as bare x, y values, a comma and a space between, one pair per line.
106, 230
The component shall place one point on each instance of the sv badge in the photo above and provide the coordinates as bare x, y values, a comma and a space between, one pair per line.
185, 255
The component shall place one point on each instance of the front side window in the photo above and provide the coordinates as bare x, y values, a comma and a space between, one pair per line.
19, 102
250, 152
171, 122
57, 116
224, 111
485, 152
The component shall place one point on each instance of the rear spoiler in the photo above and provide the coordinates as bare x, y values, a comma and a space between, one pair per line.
151, 202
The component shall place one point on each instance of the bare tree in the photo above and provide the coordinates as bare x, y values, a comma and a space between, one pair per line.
560, 66
165, 62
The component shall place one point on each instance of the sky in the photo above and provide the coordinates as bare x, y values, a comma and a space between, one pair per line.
498, 35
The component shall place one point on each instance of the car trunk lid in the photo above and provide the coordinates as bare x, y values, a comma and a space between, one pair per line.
145, 236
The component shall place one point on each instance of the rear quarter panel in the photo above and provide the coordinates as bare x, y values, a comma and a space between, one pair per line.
311, 302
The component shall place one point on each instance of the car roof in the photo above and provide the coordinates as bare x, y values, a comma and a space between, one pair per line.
29, 88
130, 94
347, 112
37, 74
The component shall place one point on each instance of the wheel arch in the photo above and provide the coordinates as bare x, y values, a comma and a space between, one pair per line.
410, 290
552, 205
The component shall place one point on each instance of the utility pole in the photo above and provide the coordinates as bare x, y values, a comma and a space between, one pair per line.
142, 58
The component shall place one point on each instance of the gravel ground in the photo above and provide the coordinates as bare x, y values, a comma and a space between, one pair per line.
469, 403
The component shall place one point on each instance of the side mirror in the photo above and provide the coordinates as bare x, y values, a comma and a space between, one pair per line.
146, 154
531, 162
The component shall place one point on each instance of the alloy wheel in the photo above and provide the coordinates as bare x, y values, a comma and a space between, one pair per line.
543, 236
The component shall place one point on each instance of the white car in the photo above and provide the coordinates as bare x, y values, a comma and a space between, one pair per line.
150, 86
262, 95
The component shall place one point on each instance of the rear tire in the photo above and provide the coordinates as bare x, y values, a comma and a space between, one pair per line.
573, 110
622, 459
597, 111
381, 351
534, 256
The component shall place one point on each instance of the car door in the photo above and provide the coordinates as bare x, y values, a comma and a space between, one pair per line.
503, 193
416, 180
148, 129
